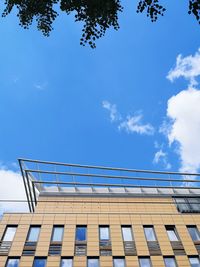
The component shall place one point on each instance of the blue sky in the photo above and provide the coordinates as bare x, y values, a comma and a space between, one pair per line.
52, 91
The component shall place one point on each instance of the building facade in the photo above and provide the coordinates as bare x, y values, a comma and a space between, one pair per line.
105, 225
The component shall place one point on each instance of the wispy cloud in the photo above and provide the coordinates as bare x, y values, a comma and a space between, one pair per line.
161, 157
131, 123
134, 124
112, 108
187, 67
41, 86
183, 114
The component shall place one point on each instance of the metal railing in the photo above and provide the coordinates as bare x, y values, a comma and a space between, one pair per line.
40, 175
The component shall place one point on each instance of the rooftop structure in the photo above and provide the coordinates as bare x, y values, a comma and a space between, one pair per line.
54, 178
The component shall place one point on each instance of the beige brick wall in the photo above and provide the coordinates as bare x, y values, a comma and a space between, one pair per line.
101, 211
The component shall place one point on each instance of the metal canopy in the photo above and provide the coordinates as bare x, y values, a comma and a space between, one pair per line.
65, 179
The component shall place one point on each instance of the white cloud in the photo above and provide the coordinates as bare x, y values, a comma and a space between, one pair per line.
112, 108
11, 188
133, 124
187, 67
161, 157
183, 113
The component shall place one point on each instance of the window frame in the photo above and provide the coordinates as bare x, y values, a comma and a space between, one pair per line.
5, 232
10, 258
119, 258
170, 257
144, 257
196, 228
186, 201
109, 236
131, 231
173, 228
86, 237
29, 231
93, 258
39, 258
52, 233
150, 226
67, 258
193, 257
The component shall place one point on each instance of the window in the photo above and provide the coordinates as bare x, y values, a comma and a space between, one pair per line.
93, 262
104, 233
187, 204
33, 233
194, 261
145, 262
57, 234
81, 233
149, 233
9, 233
119, 262
127, 233
68, 262
170, 262
12, 262
172, 234
194, 233
39, 262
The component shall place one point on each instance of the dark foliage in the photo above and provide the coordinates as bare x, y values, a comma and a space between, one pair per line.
96, 15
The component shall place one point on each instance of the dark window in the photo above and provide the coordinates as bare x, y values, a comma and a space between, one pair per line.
187, 204
33, 233
81, 233
194, 233
93, 262
12, 262
119, 262
39, 262
170, 262
66, 262
9, 233
145, 262
57, 234
194, 261
172, 233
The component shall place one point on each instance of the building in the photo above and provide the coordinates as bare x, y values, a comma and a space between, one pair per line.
103, 217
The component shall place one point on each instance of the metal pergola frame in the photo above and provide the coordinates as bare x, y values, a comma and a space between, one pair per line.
33, 186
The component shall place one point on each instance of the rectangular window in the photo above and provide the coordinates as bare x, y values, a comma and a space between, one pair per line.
81, 233
66, 262
57, 234
33, 233
93, 262
187, 204
104, 233
149, 233
127, 233
39, 262
170, 262
119, 262
12, 262
194, 233
172, 233
9, 233
145, 262
194, 261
